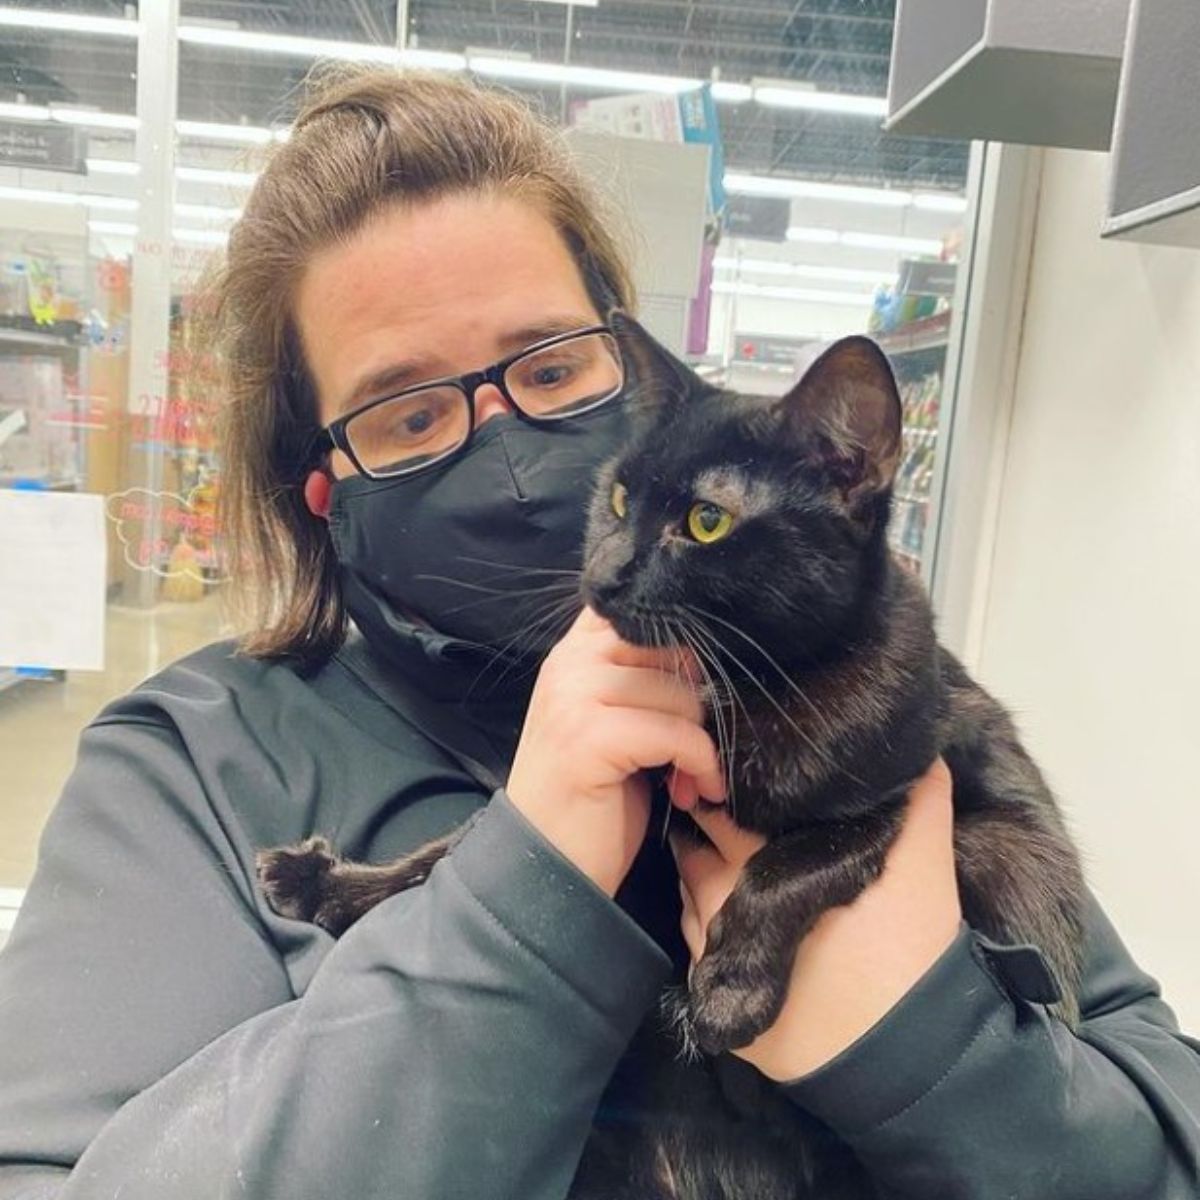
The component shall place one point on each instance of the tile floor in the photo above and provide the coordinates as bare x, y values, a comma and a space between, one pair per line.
40, 721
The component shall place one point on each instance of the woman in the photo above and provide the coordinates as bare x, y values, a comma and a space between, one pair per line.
166, 1034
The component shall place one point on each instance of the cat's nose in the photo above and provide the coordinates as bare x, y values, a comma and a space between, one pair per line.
604, 593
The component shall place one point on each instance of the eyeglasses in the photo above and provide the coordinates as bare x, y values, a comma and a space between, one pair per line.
552, 380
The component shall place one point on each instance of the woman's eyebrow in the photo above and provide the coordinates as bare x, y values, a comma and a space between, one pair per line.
392, 378
550, 327
397, 376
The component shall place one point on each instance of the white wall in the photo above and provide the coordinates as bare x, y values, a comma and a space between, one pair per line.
1092, 624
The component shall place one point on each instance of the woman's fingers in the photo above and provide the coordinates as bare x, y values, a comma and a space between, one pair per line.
682, 789
647, 687
616, 649
701, 869
709, 871
735, 844
654, 739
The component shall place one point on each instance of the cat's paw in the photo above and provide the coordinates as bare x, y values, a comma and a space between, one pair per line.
294, 878
728, 1008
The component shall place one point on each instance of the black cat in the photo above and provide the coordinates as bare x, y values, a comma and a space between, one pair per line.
753, 531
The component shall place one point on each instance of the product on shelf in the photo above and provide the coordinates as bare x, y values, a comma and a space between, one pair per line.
920, 401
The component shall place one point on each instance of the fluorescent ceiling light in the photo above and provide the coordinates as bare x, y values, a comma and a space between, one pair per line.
597, 77
210, 130
819, 237
47, 196
112, 166
94, 118
256, 135
28, 18
770, 185
808, 295
25, 112
866, 241
304, 47
116, 203
121, 229
883, 241
118, 228
732, 93
209, 237
815, 101
210, 212
211, 175
275, 43
940, 202
775, 266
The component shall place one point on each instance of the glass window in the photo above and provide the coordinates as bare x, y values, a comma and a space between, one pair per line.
810, 223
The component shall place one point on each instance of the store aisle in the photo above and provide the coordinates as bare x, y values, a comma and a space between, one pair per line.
40, 722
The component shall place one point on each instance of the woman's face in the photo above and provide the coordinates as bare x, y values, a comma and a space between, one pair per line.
439, 289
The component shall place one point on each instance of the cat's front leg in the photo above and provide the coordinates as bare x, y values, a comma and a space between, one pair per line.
737, 989
310, 882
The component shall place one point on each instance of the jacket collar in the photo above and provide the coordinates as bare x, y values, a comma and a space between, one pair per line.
445, 668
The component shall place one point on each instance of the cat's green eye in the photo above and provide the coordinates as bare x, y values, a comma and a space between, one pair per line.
619, 496
708, 522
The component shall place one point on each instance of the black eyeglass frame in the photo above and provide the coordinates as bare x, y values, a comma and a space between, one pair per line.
333, 436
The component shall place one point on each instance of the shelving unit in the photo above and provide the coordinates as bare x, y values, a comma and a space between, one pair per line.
1154, 193
918, 355
929, 334
1027, 71
41, 369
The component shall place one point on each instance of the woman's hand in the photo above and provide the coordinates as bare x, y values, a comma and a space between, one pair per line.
602, 711
859, 960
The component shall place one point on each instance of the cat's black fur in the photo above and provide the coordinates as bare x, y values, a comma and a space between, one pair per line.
829, 696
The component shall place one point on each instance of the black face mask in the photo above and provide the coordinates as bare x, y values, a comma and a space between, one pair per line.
473, 547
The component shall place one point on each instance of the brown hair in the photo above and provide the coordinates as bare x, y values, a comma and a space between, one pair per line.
364, 139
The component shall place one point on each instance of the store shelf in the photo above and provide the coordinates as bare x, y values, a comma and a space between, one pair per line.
24, 332
932, 333
68, 483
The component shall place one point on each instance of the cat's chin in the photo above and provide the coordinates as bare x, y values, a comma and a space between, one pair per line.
639, 630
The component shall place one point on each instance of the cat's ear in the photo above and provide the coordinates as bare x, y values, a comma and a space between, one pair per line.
845, 413
654, 375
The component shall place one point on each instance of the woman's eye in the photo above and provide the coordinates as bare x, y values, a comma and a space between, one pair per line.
550, 376
619, 496
708, 522
416, 419
418, 422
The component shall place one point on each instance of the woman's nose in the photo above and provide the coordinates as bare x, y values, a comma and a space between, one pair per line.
489, 403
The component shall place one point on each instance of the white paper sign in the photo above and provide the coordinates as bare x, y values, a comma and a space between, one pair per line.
52, 566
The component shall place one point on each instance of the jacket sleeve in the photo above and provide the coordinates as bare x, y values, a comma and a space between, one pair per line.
453, 1043
969, 1090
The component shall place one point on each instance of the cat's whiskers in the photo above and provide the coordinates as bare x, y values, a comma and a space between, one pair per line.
701, 640
819, 750
791, 683
492, 593
562, 608
678, 673
726, 736
508, 568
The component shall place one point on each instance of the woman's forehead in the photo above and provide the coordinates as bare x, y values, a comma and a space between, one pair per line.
433, 289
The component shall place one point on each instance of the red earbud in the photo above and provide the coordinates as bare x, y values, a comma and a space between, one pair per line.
316, 494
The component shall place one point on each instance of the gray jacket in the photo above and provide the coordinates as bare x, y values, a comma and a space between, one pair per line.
165, 1036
